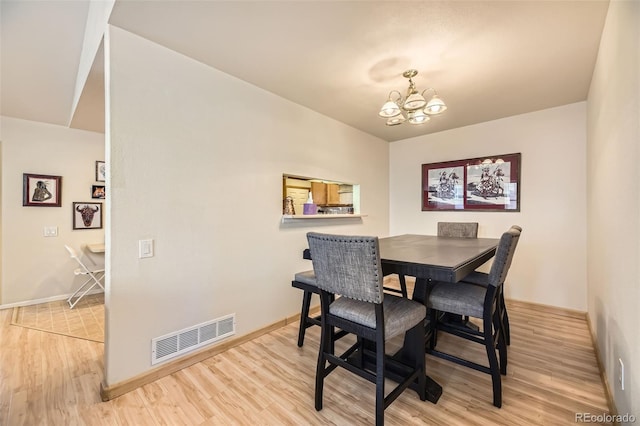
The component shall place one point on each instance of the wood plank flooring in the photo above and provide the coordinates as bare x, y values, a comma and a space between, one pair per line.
49, 379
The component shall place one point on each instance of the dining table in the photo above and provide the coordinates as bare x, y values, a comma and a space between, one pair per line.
429, 258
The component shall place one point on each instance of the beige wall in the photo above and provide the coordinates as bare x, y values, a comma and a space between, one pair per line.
35, 268
614, 201
550, 265
197, 158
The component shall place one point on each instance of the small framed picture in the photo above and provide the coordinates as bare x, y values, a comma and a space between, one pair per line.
87, 215
41, 190
98, 191
101, 171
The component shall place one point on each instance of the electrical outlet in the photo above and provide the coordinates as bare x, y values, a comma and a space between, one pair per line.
621, 373
145, 248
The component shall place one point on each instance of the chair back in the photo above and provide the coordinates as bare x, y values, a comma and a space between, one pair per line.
504, 256
71, 251
74, 255
458, 229
347, 265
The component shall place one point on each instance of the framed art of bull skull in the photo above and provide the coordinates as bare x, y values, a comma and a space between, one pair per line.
87, 215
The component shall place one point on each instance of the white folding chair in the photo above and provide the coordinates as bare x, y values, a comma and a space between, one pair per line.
95, 276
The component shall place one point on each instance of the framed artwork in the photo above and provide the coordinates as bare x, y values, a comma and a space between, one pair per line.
41, 190
87, 215
101, 171
98, 191
475, 184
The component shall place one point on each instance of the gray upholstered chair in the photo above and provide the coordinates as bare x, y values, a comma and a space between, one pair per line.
349, 267
458, 229
482, 278
445, 229
482, 302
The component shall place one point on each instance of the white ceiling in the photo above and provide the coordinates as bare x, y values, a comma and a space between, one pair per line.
486, 59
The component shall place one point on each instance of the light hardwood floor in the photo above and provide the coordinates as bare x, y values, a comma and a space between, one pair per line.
48, 379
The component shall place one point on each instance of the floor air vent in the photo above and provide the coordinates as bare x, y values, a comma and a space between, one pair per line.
183, 341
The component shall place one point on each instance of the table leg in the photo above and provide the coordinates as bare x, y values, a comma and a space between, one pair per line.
434, 390
407, 356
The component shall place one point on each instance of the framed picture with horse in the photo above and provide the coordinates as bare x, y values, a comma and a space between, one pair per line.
489, 183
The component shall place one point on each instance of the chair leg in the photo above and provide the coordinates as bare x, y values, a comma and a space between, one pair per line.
358, 358
380, 382
505, 320
83, 291
433, 324
501, 343
490, 347
403, 285
304, 316
320, 368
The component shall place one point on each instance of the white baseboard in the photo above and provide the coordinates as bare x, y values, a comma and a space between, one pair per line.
43, 300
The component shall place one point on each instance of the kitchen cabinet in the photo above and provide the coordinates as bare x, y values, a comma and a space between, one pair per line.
333, 197
325, 193
319, 192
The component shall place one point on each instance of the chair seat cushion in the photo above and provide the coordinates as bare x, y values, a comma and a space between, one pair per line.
458, 298
400, 314
307, 277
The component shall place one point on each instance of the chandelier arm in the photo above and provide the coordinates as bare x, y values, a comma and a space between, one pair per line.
399, 99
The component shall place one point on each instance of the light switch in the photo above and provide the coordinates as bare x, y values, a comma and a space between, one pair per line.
50, 231
145, 248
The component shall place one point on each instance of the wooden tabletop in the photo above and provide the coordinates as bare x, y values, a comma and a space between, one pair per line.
437, 258
96, 248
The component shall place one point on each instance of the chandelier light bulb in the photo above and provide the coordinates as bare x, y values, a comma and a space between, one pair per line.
394, 121
418, 117
389, 109
435, 106
414, 101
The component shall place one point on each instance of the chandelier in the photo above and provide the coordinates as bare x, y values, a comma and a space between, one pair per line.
413, 107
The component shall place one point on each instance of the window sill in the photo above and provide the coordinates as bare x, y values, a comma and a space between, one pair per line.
291, 218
